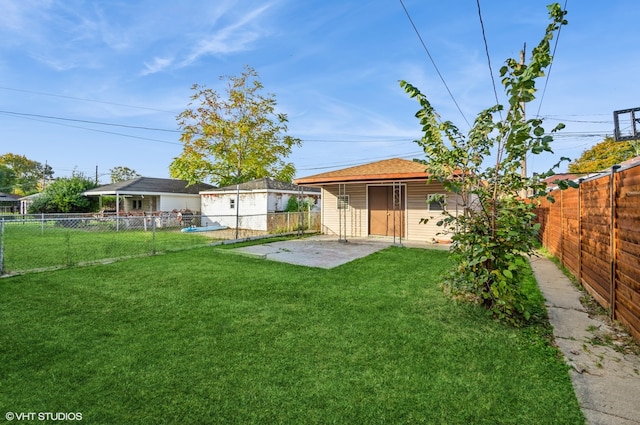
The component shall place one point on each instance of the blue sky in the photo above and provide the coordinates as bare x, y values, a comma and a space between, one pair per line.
333, 66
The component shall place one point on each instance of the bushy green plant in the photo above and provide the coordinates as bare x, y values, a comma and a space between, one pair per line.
65, 195
496, 227
295, 205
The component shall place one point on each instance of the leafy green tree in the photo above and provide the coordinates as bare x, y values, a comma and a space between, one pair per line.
605, 154
65, 195
29, 174
7, 179
121, 174
496, 228
234, 139
295, 205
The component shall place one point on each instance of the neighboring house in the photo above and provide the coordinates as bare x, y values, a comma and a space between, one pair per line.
151, 195
26, 201
629, 162
9, 203
387, 198
551, 181
252, 201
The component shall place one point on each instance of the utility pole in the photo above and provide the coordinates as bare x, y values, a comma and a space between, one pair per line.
237, 208
44, 176
523, 166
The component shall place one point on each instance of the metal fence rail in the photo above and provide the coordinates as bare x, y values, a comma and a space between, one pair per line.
46, 241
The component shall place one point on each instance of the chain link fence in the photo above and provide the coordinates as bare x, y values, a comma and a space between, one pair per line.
48, 241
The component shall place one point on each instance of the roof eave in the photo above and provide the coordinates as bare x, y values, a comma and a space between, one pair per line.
381, 177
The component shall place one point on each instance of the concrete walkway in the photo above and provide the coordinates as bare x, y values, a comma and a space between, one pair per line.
605, 379
312, 252
324, 251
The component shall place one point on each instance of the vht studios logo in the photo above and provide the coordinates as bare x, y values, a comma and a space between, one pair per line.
43, 416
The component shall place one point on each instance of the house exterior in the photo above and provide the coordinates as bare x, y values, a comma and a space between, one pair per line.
251, 202
386, 198
9, 203
551, 180
146, 195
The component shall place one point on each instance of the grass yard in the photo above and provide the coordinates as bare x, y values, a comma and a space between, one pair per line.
203, 336
29, 246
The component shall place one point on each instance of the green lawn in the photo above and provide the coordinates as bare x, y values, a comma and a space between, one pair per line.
29, 246
203, 336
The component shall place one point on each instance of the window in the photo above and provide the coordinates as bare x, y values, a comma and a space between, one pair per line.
136, 204
232, 204
436, 202
343, 202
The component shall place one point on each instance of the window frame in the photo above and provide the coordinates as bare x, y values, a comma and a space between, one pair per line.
440, 201
342, 202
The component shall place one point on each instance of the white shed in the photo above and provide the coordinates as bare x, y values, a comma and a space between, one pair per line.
250, 204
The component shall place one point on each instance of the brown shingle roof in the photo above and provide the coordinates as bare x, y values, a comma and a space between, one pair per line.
149, 185
388, 169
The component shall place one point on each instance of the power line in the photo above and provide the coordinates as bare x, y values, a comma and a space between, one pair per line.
551, 117
88, 122
581, 134
434, 63
360, 161
27, 115
486, 48
103, 131
374, 140
86, 100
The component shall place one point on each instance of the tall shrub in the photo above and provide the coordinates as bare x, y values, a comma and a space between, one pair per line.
65, 195
496, 228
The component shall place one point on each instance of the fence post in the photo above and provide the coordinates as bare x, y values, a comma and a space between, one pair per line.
547, 228
2, 246
153, 235
612, 242
580, 232
562, 207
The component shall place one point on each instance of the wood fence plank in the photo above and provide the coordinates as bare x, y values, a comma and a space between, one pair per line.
630, 320
577, 229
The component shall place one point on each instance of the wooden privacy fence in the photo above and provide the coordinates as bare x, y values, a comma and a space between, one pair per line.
595, 232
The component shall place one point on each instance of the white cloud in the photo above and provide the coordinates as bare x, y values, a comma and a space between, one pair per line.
17, 16
56, 63
233, 38
23, 22
157, 65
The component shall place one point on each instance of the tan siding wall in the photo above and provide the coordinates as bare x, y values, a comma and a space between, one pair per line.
357, 223
417, 209
356, 215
